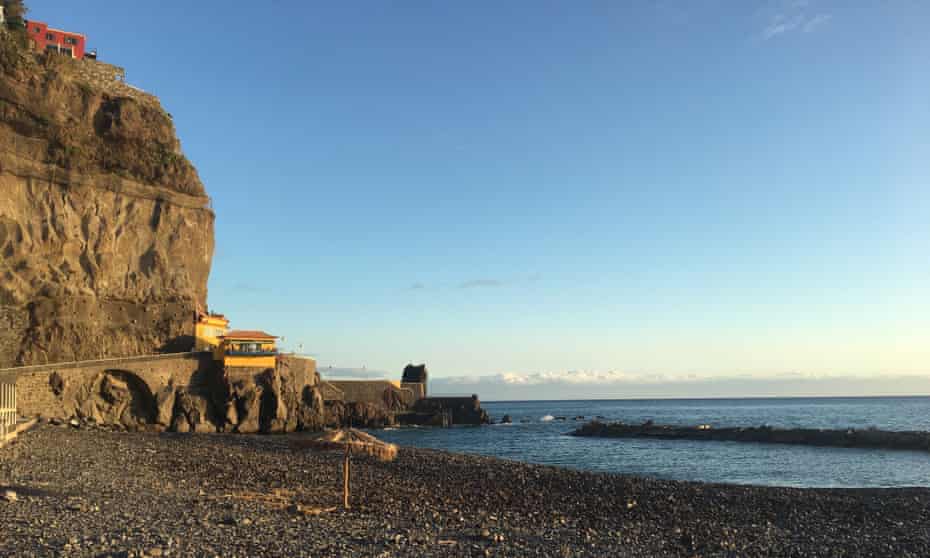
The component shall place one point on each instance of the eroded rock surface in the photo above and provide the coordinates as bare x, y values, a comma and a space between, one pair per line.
357, 414
282, 399
106, 235
286, 398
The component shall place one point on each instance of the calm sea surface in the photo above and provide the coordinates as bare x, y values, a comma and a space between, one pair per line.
537, 437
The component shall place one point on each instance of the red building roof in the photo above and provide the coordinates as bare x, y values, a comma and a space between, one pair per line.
247, 334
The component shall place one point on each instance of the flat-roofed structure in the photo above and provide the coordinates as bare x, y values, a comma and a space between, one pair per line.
247, 348
43, 38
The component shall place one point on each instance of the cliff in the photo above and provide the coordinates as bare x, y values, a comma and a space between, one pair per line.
106, 234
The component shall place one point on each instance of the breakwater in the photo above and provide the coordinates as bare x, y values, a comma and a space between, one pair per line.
849, 438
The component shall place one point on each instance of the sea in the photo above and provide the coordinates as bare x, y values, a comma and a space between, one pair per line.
538, 434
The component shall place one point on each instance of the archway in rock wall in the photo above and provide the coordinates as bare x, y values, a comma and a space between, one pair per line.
121, 397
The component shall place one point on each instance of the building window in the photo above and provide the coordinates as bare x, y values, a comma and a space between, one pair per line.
71, 41
38, 29
49, 36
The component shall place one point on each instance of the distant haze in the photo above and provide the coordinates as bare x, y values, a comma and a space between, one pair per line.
613, 385
496, 388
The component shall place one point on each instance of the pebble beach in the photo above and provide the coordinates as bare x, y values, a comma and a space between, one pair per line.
89, 491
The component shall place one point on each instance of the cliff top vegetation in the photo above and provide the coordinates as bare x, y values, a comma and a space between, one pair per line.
88, 125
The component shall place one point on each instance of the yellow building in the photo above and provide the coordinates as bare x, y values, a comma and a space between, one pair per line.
208, 330
247, 348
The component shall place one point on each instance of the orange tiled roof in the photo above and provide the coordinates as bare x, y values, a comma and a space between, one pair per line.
247, 334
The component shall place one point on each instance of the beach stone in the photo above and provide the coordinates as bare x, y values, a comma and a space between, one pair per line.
443, 503
10, 495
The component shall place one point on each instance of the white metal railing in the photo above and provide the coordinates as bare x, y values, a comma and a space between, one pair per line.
8, 416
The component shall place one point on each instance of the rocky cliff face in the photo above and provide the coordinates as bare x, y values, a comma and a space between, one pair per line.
106, 235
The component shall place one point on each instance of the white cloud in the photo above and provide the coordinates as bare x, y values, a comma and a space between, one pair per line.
816, 21
781, 24
582, 384
795, 16
592, 377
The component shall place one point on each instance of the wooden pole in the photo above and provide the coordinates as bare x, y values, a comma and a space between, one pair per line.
345, 479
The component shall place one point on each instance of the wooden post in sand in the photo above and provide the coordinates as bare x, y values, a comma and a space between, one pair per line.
345, 479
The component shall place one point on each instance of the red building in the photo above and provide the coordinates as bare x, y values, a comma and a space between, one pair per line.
44, 38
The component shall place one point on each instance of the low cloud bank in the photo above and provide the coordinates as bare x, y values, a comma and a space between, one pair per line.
621, 385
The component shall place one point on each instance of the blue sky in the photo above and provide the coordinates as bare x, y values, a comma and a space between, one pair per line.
593, 194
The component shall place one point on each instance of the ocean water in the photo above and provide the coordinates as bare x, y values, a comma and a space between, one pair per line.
537, 437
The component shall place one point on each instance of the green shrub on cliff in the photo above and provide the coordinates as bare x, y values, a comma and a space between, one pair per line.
15, 13
12, 51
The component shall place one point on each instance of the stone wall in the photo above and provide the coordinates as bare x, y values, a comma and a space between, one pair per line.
417, 388
110, 79
375, 392
331, 392
51, 390
181, 392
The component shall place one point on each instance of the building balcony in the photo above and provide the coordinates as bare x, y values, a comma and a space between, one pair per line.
250, 353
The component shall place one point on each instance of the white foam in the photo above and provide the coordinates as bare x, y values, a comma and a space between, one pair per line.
547, 418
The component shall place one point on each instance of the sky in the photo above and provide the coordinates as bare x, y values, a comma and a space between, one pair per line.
545, 199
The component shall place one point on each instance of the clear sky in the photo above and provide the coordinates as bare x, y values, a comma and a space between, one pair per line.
583, 195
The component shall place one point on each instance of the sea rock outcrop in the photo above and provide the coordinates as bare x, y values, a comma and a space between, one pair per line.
106, 232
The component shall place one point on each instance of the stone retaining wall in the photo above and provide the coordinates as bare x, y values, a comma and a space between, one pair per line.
48, 389
372, 391
110, 79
